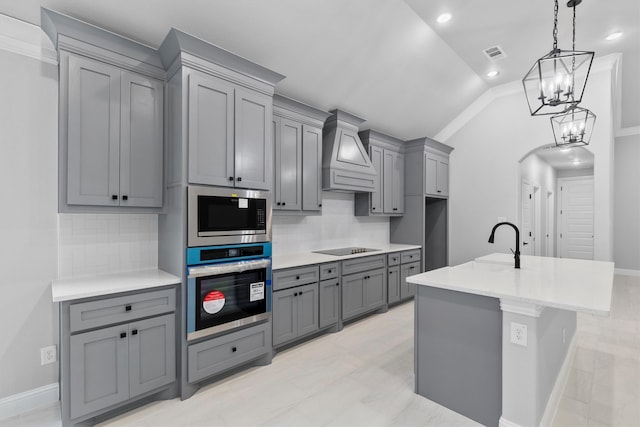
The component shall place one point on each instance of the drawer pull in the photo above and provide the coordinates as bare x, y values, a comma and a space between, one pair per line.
338, 284
300, 293
234, 349
297, 277
127, 307
123, 334
411, 268
134, 332
391, 272
295, 294
328, 271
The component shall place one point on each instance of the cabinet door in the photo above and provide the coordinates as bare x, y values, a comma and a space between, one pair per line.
100, 362
376, 288
152, 351
311, 168
93, 147
307, 301
253, 145
353, 295
431, 174
443, 177
407, 290
285, 321
388, 164
288, 166
211, 130
329, 302
377, 160
393, 284
398, 183
141, 141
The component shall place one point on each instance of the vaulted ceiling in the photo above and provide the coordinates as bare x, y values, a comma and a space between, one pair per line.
387, 61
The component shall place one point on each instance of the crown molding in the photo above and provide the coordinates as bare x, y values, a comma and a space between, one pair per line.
26, 39
630, 131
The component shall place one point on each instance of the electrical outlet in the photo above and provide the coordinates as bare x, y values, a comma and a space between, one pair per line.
48, 355
519, 334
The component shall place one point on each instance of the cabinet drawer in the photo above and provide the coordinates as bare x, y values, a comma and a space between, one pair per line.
363, 264
108, 311
393, 259
410, 256
328, 271
219, 354
283, 279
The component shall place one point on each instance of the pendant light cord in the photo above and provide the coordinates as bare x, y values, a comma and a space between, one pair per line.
573, 58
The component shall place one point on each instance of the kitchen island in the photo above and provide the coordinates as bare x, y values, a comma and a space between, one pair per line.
493, 342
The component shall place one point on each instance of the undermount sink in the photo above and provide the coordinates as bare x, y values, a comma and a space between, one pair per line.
345, 251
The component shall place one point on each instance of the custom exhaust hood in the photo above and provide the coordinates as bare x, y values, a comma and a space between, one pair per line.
345, 163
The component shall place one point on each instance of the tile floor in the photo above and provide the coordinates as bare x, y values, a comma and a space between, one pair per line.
363, 376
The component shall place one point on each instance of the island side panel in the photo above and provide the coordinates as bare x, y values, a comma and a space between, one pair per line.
459, 352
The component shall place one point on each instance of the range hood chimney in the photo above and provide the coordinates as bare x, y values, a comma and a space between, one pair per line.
345, 163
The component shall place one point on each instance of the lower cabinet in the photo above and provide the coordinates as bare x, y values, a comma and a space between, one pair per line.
365, 288
114, 349
393, 284
329, 302
295, 313
408, 290
217, 355
120, 362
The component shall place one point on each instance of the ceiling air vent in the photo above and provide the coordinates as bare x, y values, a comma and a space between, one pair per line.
494, 53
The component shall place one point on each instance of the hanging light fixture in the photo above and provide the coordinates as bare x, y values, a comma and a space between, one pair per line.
556, 81
573, 127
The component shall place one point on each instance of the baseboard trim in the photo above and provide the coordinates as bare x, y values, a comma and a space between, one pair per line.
31, 399
506, 423
558, 388
626, 272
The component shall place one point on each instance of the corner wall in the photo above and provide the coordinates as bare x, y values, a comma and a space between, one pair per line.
626, 224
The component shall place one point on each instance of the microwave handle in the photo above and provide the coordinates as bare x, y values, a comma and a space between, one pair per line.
228, 267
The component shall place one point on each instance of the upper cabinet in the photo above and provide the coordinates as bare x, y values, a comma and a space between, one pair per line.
111, 119
436, 168
229, 134
427, 166
297, 133
220, 115
386, 154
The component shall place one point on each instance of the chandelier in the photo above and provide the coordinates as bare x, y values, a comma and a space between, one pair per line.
556, 81
573, 127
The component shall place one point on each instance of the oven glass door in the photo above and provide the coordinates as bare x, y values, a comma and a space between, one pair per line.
231, 215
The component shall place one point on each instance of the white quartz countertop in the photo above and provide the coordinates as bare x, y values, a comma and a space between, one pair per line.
91, 286
569, 284
299, 259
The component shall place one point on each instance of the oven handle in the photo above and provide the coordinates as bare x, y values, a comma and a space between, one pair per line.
228, 267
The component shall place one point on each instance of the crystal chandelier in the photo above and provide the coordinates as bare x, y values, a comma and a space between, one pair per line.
556, 81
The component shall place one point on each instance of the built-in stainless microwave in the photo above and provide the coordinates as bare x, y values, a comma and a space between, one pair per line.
222, 216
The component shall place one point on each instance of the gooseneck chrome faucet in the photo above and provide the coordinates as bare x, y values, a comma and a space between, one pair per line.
517, 252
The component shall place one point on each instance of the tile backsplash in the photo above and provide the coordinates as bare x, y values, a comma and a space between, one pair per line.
336, 227
95, 243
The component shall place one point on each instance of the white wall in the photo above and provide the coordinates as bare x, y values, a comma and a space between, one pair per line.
336, 227
484, 171
627, 203
28, 220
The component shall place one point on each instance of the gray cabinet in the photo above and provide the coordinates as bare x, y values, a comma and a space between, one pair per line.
295, 313
114, 144
115, 349
393, 284
229, 134
298, 156
364, 285
436, 167
400, 266
387, 157
329, 302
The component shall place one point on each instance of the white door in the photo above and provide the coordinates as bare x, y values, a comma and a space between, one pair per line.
576, 218
526, 236
549, 225
536, 223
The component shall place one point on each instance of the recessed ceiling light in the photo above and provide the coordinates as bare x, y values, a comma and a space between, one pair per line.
445, 17
576, 162
614, 36
493, 73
